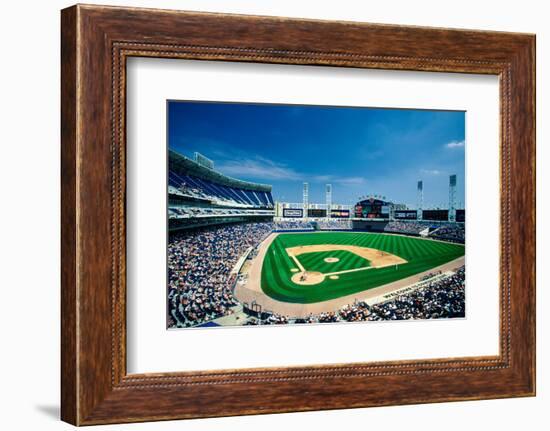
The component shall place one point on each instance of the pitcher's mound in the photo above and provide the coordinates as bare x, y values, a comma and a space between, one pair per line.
308, 278
331, 259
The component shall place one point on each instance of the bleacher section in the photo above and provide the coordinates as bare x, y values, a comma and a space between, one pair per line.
199, 196
187, 178
292, 225
334, 224
175, 212
446, 231
450, 232
407, 227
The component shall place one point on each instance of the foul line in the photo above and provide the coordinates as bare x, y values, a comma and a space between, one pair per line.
297, 262
361, 269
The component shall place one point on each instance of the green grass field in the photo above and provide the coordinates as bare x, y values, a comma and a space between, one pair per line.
316, 261
421, 255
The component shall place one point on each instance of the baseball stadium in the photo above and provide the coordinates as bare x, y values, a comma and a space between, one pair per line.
295, 214
236, 256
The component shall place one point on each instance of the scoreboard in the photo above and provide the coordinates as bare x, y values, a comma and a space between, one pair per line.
460, 216
436, 215
372, 209
339, 213
293, 212
405, 214
316, 213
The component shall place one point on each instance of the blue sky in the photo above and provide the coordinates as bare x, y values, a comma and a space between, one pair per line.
360, 151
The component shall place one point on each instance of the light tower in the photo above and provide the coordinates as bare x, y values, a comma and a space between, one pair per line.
328, 195
452, 198
305, 198
419, 199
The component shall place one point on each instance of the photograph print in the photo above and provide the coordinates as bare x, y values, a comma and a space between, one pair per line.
298, 214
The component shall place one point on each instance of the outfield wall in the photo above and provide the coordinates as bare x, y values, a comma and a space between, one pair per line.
370, 226
293, 230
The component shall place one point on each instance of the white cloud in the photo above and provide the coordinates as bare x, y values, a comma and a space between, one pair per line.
336, 179
263, 169
258, 167
431, 171
455, 144
350, 180
323, 178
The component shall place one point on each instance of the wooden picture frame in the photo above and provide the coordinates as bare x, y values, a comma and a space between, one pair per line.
96, 41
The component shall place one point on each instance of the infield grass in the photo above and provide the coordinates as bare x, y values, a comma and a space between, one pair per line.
421, 255
346, 260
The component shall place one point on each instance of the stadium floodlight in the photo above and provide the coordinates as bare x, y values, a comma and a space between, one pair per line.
420, 198
305, 198
452, 198
203, 160
328, 193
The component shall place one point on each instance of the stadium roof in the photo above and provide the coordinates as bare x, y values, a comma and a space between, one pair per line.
182, 165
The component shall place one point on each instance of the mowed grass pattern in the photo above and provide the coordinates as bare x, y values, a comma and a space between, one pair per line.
347, 260
421, 255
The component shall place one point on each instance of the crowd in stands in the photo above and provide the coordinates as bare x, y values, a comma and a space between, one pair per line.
358, 312
293, 225
406, 227
452, 232
188, 212
199, 270
272, 319
444, 298
335, 224
445, 231
328, 317
308, 319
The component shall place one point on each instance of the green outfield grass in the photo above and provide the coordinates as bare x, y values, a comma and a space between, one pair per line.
421, 255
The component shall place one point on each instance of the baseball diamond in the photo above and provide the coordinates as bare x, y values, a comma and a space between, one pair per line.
355, 273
